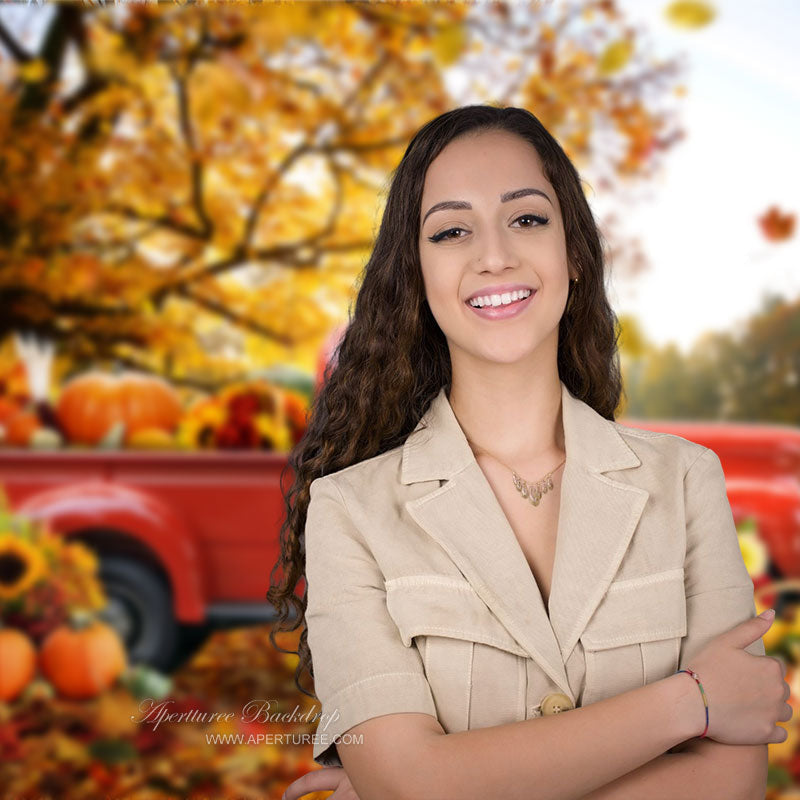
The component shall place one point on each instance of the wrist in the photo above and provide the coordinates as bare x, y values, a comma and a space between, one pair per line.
686, 700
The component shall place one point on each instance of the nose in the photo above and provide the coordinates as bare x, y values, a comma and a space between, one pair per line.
495, 253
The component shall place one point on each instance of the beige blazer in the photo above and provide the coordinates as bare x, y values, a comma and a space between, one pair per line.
420, 597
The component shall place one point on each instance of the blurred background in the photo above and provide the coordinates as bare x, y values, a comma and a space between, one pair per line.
188, 193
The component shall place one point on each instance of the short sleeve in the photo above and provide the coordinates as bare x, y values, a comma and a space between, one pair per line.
362, 669
719, 589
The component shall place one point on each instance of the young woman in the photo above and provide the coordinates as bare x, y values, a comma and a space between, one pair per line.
485, 548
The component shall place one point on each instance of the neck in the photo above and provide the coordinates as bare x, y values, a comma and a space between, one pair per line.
519, 424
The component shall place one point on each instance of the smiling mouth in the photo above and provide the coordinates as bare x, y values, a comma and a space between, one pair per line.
499, 300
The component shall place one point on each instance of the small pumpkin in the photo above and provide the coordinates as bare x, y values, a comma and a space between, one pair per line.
83, 657
18, 657
92, 403
21, 427
7, 409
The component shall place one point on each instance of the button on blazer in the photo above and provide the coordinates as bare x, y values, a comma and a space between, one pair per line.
420, 597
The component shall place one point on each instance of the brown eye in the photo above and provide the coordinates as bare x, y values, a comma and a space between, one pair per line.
443, 235
541, 219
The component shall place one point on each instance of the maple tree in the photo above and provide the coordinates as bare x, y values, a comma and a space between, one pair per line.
192, 189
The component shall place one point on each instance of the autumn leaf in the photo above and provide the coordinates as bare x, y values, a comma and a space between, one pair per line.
690, 14
775, 226
448, 44
33, 71
615, 56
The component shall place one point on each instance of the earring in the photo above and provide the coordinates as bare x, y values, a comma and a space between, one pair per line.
574, 282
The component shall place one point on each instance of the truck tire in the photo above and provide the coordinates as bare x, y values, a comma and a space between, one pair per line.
140, 609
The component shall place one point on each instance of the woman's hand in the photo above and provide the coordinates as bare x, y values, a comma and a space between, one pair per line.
322, 780
747, 693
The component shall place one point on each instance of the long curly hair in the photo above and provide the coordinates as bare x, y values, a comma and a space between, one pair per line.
393, 358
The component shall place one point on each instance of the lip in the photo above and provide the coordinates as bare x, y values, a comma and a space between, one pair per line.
503, 312
498, 289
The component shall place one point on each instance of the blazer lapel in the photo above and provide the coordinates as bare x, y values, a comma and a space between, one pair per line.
597, 518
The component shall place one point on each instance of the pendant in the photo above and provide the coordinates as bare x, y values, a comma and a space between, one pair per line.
533, 492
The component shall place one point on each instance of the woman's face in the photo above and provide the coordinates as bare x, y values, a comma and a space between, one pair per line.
493, 245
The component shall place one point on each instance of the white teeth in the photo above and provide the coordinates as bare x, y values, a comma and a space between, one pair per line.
499, 299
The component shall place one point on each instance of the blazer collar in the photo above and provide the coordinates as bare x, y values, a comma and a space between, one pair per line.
597, 517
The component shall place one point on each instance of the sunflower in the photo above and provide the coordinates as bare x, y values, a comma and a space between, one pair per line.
276, 435
84, 559
21, 565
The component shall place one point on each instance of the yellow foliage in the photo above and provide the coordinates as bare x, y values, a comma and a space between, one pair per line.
690, 14
615, 56
448, 44
33, 71
141, 194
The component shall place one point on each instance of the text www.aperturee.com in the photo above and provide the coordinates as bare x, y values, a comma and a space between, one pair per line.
282, 738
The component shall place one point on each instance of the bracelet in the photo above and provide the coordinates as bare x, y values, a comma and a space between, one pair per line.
694, 675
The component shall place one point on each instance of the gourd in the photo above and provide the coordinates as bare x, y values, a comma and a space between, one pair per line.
18, 659
82, 657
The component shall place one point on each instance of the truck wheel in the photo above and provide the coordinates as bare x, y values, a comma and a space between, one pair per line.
140, 609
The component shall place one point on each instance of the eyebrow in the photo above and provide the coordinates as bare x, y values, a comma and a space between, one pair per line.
504, 198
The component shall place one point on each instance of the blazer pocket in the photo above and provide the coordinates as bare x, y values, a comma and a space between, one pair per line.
634, 636
475, 668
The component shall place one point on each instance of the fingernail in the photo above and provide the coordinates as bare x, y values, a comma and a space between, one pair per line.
768, 614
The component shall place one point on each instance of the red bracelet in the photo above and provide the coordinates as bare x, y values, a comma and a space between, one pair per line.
694, 675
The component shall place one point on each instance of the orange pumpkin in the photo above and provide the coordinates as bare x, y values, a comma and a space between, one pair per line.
20, 428
18, 657
7, 409
92, 403
83, 657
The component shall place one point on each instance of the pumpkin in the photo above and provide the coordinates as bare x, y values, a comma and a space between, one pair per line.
21, 427
83, 657
7, 409
18, 657
91, 404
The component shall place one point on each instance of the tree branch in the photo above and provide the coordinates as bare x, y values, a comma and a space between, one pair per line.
18, 53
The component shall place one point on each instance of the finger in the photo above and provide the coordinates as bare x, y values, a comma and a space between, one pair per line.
319, 780
782, 662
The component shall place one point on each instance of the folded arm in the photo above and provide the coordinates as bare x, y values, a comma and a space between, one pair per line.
719, 595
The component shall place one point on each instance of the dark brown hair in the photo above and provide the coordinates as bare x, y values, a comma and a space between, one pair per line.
393, 358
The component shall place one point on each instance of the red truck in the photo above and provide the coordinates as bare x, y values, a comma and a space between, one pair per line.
187, 540
183, 539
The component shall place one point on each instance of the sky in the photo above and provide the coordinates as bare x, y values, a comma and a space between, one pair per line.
710, 265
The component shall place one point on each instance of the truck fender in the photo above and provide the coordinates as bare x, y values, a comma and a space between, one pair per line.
95, 505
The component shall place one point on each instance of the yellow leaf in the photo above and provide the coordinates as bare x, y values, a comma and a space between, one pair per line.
615, 56
689, 13
33, 71
448, 44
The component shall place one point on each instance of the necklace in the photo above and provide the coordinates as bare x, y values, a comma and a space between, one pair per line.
530, 491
